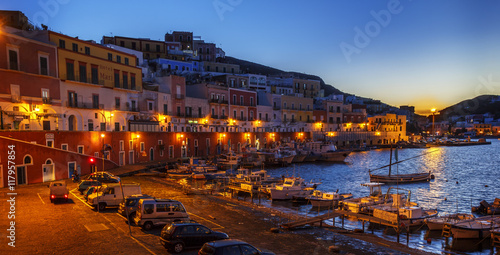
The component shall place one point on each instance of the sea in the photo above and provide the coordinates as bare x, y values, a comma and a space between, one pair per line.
464, 176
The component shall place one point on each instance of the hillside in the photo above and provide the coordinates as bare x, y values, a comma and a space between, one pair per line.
478, 105
251, 67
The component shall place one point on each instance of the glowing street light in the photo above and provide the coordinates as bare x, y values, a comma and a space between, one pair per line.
433, 110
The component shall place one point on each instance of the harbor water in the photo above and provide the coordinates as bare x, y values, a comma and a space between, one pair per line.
464, 176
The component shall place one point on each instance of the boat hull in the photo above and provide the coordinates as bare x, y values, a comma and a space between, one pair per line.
401, 178
288, 194
335, 156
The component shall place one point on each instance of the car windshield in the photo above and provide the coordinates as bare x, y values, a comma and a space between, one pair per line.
131, 202
207, 249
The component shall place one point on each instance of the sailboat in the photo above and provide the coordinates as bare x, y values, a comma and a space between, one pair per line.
400, 178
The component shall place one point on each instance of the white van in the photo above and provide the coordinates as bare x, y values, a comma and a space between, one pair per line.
111, 194
153, 212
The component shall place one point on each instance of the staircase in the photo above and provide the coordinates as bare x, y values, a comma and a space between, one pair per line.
446, 230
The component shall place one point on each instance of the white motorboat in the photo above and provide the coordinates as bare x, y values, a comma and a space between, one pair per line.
360, 204
291, 187
326, 199
327, 152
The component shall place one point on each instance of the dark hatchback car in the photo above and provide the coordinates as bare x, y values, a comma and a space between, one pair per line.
104, 177
178, 236
230, 247
88, 191
83, 185
131, 203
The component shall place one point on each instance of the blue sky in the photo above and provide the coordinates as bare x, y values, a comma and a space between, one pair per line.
417, 52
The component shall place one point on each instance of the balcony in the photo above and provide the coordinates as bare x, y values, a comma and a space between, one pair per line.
276, 108
84, 105
47, 100
133, 109
217, 101
16, 99
179, 96
84, 79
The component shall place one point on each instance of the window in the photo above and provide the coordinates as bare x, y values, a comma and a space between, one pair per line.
83, 72
147, 47
162, 208
165, 109
75, 47
142, 147
117, 103
251, 101
44, 65
72, 99
70, 70
64, 146
241, 100
45, 95
200, 50
126, 61
117, 78
132, 81
133, 45
94, 74
149, 208
171, 151
28, 160
125, 80
150, 106
157, 48
95, 101
122, 43
62, 44
118, 59
13, 59
110, 57
79, 149
87, 51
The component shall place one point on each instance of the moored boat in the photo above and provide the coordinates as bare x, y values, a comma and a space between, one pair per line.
437, 223
291, 187
326, 199
476, 228
360, 204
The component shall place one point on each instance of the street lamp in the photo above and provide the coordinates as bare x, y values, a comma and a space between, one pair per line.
433, 110
102, 136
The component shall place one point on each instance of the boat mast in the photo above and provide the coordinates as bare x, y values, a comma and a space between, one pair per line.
390, 162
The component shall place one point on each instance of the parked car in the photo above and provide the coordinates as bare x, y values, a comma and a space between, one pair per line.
58, 190
131, 202
176, 237
230, 246
104, 177
83, 185
154, 212
88, 191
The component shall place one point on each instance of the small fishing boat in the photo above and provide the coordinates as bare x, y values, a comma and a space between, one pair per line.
437, 223
360, 204
480, 227
402, 212
400, 178
326, 199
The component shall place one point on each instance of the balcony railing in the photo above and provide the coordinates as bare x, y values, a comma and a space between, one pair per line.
133, 109
16, 99
84, 105
86, 79
179, 96
47, 100
276, 108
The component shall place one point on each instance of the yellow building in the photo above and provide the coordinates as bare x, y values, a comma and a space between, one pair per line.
296, 109
90, 63
150, 48
309, 88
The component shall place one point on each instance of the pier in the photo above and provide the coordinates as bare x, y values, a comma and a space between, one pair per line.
343, 214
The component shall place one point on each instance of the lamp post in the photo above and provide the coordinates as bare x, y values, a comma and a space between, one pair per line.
433, 110
102, 136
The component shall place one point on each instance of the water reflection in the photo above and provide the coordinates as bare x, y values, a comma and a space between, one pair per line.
463, 177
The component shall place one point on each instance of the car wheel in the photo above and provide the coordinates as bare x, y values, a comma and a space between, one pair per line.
102, 206
148, 225
178, 247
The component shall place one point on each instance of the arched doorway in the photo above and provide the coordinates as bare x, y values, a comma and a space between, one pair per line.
48, 171
151, 154
72, 123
